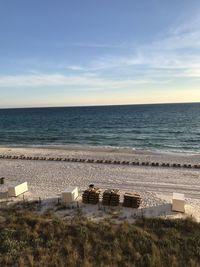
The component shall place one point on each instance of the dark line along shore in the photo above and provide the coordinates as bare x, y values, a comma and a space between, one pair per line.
100, 161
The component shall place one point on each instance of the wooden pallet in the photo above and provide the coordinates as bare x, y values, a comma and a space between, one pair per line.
91, 195
111, 197
132, 200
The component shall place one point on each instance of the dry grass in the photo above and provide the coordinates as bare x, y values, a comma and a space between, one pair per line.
29, 239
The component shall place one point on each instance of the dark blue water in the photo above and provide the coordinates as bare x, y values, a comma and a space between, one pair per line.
169, 127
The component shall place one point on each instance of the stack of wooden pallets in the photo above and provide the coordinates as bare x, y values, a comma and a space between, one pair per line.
111, 197
91, 195
2, 180
132, 200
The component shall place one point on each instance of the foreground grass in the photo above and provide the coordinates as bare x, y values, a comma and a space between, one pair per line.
28, 239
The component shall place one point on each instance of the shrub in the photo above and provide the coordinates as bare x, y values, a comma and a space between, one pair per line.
29, 239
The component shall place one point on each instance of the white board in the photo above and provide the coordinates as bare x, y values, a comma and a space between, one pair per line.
17, 190
178, 202
70, 194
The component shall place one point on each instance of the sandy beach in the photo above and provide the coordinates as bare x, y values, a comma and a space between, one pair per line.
155, 184
97, 152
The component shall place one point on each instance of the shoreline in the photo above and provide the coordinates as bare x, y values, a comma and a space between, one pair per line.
105, 148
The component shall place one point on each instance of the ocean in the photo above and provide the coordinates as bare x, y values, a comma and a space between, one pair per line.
161, 127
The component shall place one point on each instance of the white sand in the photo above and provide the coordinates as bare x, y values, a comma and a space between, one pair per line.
156, 184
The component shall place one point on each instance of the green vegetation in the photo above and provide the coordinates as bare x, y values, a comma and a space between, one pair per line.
29, 239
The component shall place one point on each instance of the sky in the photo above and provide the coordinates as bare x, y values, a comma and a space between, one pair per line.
91, 52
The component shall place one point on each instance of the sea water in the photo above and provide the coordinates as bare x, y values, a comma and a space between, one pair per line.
161, 127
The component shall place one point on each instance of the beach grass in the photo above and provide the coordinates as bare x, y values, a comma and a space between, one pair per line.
28, 238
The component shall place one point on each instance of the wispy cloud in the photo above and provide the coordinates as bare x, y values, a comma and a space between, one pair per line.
121, 45
177, 50
173, 54
86, 82
75, 68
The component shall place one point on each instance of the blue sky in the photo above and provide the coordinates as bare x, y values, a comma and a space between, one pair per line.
64, 53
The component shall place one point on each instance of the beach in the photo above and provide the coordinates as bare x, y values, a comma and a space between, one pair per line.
47, 179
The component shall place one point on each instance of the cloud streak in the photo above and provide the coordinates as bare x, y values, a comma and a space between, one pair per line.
53, 80
177, 50
175, 54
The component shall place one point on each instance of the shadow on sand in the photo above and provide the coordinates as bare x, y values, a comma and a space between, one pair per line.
3, 195
157, 211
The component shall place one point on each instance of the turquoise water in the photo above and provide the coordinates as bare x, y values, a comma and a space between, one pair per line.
169, 127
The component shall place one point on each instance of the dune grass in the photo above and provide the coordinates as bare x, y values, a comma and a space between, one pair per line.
30, 239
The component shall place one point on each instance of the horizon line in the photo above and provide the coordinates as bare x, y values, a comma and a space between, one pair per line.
101, 105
